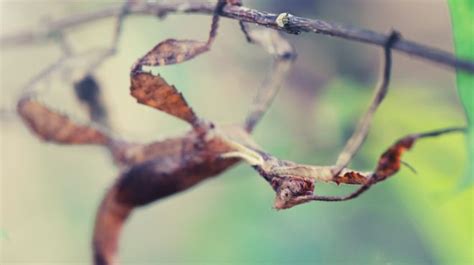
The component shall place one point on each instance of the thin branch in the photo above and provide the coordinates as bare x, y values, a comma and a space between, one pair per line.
293, 24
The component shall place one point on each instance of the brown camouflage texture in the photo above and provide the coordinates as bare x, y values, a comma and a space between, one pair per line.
52, 126
153, 91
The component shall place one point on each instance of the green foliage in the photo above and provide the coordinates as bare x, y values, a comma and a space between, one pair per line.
462, 16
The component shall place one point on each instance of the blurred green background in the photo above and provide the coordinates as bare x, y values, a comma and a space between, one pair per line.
49, 193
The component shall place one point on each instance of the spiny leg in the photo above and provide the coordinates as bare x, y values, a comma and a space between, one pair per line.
172, 51
154, 91
360, 133
389, 164
293, 183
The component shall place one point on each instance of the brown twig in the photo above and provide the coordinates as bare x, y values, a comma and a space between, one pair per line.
293, 24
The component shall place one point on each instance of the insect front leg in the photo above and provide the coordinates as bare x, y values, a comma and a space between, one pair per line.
293, 183
172, 51
389, 163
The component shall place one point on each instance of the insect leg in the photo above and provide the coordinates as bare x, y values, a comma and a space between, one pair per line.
283, 57
360, 133
388, 164
172, 51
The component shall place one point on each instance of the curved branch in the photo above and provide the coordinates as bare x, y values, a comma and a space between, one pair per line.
293, 24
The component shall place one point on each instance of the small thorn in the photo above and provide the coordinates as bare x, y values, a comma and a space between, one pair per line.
409, 166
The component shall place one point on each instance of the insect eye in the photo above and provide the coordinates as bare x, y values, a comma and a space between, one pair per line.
285, 194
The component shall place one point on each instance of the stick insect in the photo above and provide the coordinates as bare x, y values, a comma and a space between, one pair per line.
149, 172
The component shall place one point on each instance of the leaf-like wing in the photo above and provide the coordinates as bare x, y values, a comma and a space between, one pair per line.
153, 91
55, 127
352, 177
173, 51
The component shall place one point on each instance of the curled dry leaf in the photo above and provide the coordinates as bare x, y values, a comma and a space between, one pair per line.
52, 126
153, 91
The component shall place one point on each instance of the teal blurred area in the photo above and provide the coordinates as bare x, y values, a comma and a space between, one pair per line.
49, 193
